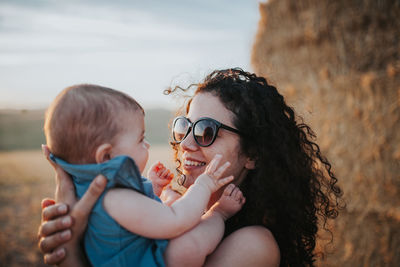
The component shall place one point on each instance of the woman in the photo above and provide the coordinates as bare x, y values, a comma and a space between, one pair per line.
289, 186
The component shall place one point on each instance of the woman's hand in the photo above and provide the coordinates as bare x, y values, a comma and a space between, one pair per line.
54, 231
59, 232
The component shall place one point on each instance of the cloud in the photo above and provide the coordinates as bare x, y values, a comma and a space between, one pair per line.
121, 44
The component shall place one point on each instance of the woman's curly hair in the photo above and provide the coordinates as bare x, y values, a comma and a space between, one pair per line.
292, 189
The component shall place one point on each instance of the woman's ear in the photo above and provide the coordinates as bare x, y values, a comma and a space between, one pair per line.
250, 164
103, 153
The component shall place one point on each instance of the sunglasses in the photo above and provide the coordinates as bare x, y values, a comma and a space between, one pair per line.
204, 130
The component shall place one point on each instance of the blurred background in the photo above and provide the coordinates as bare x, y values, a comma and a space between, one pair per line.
138, 47
336, 62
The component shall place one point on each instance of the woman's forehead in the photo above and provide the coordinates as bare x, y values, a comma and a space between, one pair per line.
208, 105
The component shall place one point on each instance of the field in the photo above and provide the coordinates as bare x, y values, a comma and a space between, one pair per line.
26, 178
23, 129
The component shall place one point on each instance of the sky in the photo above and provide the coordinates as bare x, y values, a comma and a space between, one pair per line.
138, 47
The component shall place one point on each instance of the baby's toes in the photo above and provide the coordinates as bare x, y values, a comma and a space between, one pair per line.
238, 195
234, 194
229, 190
164, 173
157, 166
242, 199
160, 171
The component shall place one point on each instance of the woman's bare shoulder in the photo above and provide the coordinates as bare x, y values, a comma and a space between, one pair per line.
248, 246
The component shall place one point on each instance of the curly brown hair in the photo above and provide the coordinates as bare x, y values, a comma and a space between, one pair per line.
293, 189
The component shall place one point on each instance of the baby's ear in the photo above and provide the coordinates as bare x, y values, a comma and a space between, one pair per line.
103, 153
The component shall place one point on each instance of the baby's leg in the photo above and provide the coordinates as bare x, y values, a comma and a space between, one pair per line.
192, 248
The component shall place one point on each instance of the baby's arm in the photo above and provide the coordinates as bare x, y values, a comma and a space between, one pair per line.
169, 195
192, 248
160, 177
147, 217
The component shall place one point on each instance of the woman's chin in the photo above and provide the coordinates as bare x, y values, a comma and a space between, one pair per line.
192, 172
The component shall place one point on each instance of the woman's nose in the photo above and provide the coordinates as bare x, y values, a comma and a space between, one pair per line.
188, 143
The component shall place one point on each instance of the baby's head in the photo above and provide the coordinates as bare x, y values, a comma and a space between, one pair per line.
92, 124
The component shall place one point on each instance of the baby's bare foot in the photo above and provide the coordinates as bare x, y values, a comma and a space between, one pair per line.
231, 202
160, 177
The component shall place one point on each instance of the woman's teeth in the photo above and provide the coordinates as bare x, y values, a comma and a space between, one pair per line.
194, 163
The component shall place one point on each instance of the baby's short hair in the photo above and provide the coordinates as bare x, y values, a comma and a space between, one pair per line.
82, 117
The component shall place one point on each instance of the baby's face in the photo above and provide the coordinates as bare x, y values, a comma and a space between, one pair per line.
131, 141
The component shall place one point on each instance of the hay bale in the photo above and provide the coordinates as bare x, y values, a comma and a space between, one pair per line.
338, 64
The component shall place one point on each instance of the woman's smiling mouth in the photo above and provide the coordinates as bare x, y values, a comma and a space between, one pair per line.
194, 163
190, 164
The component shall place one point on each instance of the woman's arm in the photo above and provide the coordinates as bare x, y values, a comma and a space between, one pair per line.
60, 233
53, 232
248, 246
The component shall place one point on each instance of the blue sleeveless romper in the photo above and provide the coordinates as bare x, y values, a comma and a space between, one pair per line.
106, 242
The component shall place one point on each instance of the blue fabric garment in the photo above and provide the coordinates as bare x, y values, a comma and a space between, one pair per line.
106, 242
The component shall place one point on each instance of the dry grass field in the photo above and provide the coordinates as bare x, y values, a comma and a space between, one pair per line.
26, 178
338, 64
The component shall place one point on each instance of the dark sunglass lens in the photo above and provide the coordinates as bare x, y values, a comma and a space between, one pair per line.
180, 129
204, 132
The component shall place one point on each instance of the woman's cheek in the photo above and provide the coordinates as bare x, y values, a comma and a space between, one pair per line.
187, 180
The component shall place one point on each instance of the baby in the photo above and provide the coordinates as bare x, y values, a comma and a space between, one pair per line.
93, 130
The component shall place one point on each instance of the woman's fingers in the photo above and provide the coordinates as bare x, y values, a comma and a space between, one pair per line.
49, 243
50, 227
57, 232
55, 257
54, 211
85, 204
65, 190
50, 224
46, 202
46, 153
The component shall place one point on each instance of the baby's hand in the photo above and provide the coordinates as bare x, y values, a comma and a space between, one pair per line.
159, 176
211, 178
